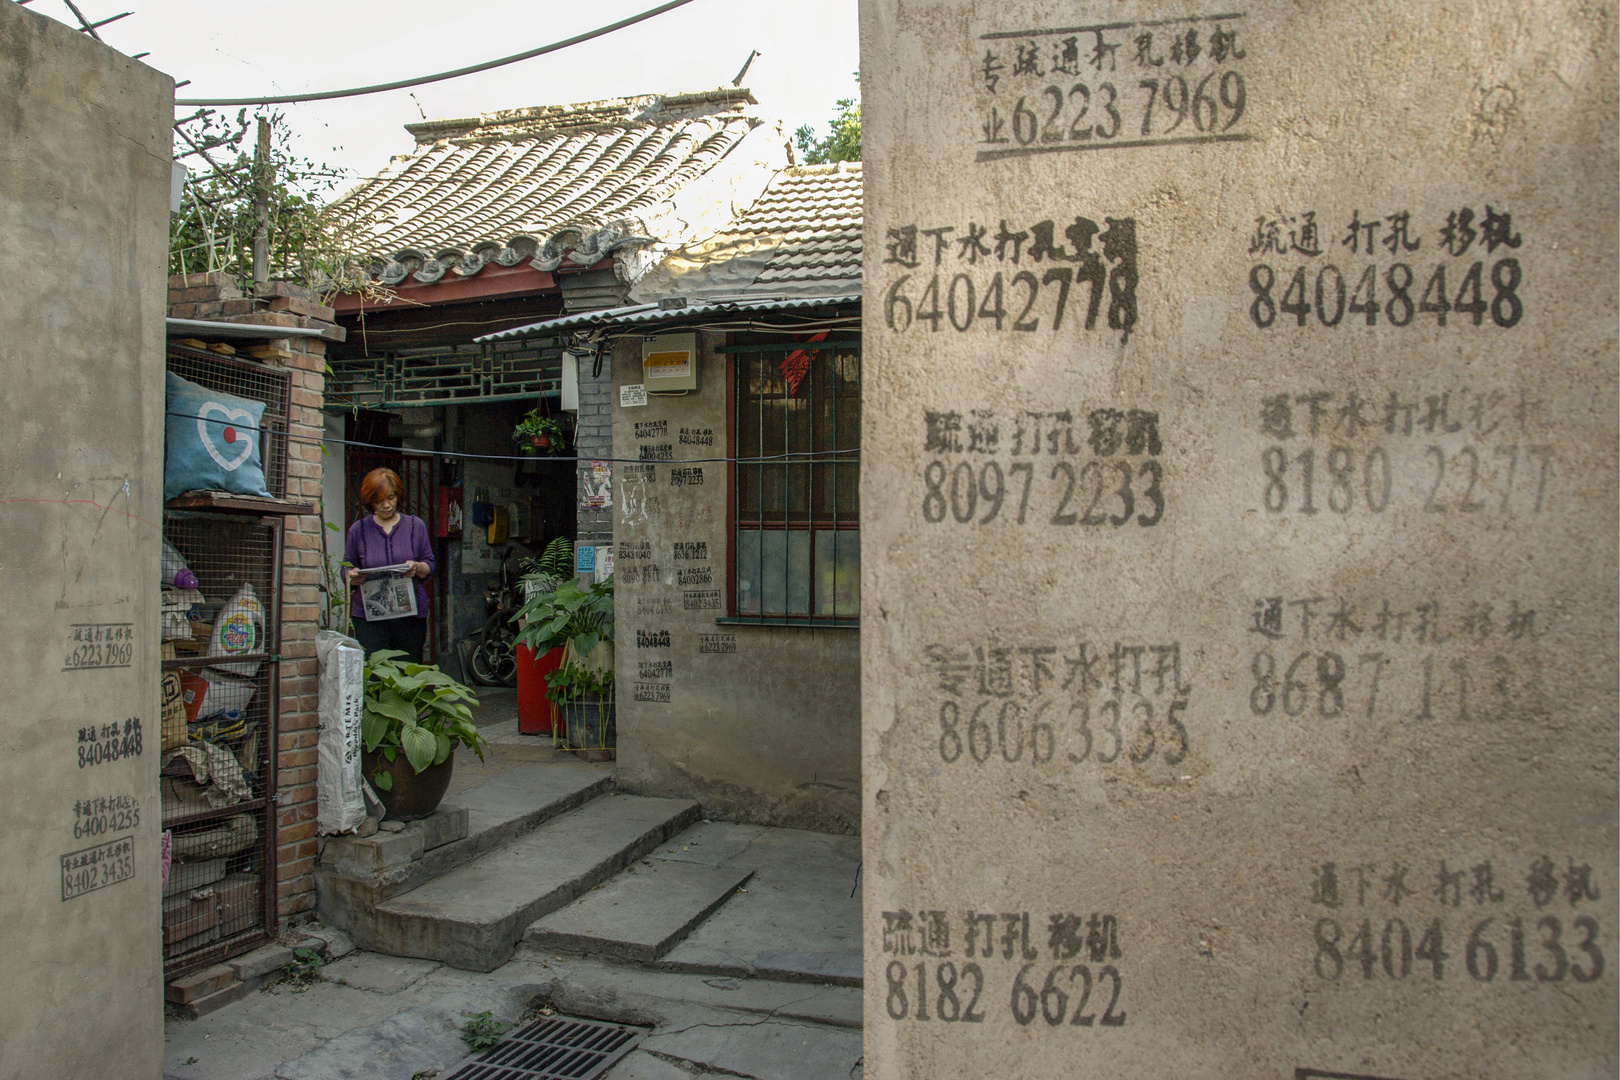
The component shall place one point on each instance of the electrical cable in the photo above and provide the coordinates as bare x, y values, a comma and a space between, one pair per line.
327, 95
800, 457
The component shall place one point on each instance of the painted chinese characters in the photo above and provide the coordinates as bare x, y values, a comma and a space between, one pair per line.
1082, 953
1476, 451
996, 287
1483, 917
1112, 85
1096, 467
1455, 293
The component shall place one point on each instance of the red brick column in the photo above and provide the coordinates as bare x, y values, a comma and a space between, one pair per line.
216, 296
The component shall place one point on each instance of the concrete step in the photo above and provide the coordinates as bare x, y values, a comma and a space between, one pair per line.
472, 917
641, 914
358, 873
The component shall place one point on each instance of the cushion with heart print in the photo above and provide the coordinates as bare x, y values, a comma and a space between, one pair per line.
211, 441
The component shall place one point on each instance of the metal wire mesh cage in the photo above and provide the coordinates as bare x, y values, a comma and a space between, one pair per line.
216, 776
226, 552
220, 690
246, 378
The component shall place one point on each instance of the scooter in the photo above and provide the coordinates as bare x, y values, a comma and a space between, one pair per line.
494, 658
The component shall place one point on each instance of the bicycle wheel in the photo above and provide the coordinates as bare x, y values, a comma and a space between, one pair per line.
482, 669
504, 662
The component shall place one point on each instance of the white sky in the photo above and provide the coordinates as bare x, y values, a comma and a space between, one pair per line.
809, 51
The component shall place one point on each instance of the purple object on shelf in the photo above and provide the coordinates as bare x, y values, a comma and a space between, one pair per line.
185, 579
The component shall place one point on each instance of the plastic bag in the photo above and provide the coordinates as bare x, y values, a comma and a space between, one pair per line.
238, 631
341, 804
207, 695
175, 570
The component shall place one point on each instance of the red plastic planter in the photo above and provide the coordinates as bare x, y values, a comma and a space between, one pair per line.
536, 714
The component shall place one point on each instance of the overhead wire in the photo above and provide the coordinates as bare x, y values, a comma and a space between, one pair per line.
422, 80
801, 457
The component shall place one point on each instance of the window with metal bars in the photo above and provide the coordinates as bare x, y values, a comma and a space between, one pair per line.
795, 493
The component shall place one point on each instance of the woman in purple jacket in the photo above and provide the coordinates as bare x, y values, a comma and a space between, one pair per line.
386, 537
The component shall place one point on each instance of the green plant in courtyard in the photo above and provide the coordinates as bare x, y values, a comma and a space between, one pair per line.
417, 709
303, 970
581, 620
553, 566
482, 1030
535, 426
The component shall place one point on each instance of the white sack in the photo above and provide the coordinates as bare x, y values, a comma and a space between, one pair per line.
342, 805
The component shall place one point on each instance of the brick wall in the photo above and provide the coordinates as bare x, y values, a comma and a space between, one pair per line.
593, 435
218, 297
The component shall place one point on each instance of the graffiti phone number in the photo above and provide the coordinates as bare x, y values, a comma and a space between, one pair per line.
1138, 731
1171, 110
109, 742
1394, 954
1471, 480
96, 868
1110, 493
1333, 299
1070, 995
98, 656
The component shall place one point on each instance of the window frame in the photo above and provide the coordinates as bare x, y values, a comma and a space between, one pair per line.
734, 353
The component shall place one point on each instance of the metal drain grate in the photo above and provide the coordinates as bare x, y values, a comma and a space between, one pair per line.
553, 1048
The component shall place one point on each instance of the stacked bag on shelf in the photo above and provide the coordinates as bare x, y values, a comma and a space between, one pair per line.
205, 712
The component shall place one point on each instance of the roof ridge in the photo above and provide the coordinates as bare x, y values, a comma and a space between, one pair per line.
636, 108
827, 169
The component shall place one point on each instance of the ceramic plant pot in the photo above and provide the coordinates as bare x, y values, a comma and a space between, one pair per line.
414, 794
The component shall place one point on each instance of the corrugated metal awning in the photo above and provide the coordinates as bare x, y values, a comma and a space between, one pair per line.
254, 331
649, 314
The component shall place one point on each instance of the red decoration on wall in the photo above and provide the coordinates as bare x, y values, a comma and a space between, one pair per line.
797, 363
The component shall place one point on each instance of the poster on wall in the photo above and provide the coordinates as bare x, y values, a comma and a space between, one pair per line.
598, 484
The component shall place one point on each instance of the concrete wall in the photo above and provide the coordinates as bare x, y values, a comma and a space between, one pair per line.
84, 198
761, 724
1240, 668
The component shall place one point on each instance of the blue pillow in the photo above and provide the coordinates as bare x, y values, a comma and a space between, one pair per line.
211, 441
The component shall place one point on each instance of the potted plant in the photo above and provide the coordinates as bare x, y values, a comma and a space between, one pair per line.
415, 715
580, 620
536, 434
537, 715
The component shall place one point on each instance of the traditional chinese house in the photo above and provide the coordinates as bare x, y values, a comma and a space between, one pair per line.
498, 221
735, 400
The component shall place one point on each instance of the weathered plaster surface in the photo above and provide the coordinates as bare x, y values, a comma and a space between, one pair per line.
84, 191
768, 733
1474, 793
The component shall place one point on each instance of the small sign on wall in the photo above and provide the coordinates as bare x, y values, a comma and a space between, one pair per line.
584, 559
632, 394
604, 564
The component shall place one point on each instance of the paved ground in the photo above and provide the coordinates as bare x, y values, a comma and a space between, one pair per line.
496, 719
750, 993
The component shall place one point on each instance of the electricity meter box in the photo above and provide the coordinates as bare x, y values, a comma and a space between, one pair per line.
669, 362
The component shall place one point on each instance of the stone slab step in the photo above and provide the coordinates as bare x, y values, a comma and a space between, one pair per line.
472, 917
496, 813
641, 914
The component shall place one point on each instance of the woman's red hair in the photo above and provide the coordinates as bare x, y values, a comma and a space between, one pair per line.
378, 485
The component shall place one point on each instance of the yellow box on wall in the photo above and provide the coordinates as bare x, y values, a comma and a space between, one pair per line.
669, 363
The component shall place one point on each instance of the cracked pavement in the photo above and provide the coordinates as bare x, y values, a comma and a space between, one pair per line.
766, 988
375, 1017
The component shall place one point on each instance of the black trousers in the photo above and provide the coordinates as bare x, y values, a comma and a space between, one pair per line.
408, 634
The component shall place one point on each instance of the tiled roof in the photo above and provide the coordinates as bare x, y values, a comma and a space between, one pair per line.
548, 184
801, 237
816, 210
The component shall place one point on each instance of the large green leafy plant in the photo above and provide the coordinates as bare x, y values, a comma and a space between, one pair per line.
417, 709
581, 620
550, 568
